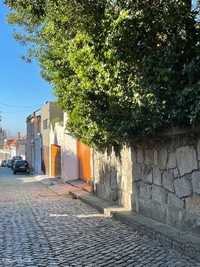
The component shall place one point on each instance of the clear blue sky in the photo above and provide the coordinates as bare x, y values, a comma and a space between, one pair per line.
22, 90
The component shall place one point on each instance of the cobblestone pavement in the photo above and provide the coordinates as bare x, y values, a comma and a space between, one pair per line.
40, 228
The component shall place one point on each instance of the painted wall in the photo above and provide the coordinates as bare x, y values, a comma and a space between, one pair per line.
38, 155
33, 142
70, 168
45, 131
13, 152
69, 162
3, 137
21, 148
4, 155
50, 113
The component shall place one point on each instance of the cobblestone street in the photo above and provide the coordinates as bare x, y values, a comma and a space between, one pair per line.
40, 228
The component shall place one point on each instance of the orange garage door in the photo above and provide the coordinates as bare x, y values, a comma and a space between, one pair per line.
84, 157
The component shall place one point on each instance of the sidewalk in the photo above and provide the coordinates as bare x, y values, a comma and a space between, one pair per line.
168, 236
57, 185
78, 189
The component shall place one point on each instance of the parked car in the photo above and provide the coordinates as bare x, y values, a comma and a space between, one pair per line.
9, 163
21, 166
3, 163
15, 159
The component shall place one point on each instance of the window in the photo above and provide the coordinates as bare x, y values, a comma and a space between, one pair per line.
45, 124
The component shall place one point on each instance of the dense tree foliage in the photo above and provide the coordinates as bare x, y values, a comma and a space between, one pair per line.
120, 69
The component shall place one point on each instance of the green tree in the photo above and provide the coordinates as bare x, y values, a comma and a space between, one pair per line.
121, 69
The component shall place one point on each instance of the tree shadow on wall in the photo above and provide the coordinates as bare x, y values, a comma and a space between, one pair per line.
107, 186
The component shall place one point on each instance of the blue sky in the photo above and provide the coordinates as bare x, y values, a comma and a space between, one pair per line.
22, 90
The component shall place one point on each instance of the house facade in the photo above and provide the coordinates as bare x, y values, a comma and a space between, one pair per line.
52, 150
21, 146
64, 159
34, 141
3, 137
10, 145
50, 114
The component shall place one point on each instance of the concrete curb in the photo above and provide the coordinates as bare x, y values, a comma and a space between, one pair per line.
91, 200
183, 242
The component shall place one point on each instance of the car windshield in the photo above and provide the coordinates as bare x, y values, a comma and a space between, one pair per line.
20, 162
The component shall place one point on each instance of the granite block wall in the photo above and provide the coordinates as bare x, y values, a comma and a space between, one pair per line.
113, 176
166, 179
158, 178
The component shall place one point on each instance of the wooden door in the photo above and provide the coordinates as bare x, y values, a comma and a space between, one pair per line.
55, 161
84, 158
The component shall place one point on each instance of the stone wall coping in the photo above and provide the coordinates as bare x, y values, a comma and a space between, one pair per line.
180, 131
166, 134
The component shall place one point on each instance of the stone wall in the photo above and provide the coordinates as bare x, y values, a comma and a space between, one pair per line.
167, 181
113, 176
159, 177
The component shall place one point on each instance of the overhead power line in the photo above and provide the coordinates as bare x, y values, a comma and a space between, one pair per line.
14, 112
17, 106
